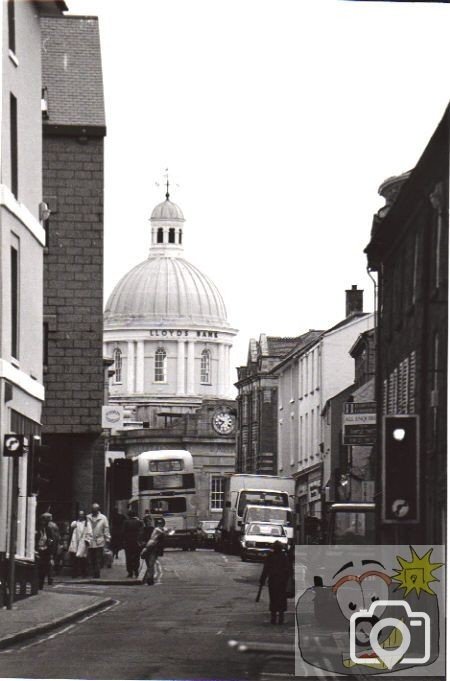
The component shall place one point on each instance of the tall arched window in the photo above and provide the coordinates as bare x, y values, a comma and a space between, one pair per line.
160, 366
117, 356
205, 367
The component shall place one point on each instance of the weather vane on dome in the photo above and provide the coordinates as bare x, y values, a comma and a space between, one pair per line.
166, 182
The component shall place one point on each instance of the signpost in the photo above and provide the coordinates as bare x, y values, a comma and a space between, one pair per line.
14, 446
359, 423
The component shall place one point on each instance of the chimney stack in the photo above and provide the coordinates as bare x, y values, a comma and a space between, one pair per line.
353, 300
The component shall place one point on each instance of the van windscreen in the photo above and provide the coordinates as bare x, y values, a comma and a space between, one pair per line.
261, 498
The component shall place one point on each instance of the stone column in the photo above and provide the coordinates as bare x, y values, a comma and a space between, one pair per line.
130, 367
140, 366
180, 369
227, 370
191, 368
221, 370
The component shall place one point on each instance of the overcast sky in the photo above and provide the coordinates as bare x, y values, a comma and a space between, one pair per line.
278, 119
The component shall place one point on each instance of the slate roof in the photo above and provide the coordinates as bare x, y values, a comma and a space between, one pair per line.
72, 71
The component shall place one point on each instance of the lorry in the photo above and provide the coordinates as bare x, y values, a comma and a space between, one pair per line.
241, 489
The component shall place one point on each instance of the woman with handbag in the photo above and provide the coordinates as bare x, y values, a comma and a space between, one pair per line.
79, 543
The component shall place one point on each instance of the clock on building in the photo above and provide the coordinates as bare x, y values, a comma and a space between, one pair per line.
223, 422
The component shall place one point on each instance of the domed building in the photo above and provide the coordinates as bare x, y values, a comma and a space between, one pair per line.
166, 329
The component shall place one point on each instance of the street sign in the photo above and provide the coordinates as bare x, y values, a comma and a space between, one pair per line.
14, 445
112, 416
359, 423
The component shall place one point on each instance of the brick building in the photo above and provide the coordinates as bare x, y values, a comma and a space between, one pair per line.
257, 423
409, 251
73, 133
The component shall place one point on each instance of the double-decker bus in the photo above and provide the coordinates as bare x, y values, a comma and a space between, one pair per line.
163, 482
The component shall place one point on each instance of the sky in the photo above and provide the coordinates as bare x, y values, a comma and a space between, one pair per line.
278, 119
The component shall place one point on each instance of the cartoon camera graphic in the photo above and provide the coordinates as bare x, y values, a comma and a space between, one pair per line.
368, 620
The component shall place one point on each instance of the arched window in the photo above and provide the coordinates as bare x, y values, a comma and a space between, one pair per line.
160, 235
171, 235
117, 356
160, 366
205, 367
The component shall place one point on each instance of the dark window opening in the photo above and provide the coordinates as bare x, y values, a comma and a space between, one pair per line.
171, 235
180, 237
160, 236
14, 302
11, 26
14, 147
46, 226
45, 345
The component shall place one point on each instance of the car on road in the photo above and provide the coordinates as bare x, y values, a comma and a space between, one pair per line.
257, 539
206, 533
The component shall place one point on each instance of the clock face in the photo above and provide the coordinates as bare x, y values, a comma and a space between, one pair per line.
223, 422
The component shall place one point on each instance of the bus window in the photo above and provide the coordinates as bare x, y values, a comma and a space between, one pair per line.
165, 466
172, 505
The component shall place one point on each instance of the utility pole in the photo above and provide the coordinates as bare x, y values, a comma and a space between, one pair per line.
13, 532
14, 447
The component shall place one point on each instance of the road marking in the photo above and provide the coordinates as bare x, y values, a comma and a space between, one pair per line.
219, 632
225, 558
70, 627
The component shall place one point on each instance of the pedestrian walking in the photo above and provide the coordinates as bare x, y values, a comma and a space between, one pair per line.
79, 543
117, 523
147, 528
46, 545
153, 549
99, 538
276, 571
132, 529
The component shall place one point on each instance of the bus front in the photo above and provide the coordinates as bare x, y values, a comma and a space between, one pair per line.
164, 483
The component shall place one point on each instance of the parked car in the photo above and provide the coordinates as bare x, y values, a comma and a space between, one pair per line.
257, 539
206, 533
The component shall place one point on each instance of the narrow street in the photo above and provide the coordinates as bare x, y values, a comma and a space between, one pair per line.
176, 629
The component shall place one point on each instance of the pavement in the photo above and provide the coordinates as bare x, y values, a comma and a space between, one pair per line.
180, 628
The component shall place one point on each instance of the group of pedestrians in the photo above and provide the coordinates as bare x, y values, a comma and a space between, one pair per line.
89, 537
142, 539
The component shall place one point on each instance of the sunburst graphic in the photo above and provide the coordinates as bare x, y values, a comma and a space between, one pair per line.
417, 573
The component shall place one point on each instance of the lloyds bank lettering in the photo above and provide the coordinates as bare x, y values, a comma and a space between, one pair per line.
181, 333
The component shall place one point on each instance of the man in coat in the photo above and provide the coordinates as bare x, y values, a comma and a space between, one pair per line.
132, 529
99, 538
276, 570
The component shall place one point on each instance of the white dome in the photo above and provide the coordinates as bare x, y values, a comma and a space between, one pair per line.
167, 211
165, 289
